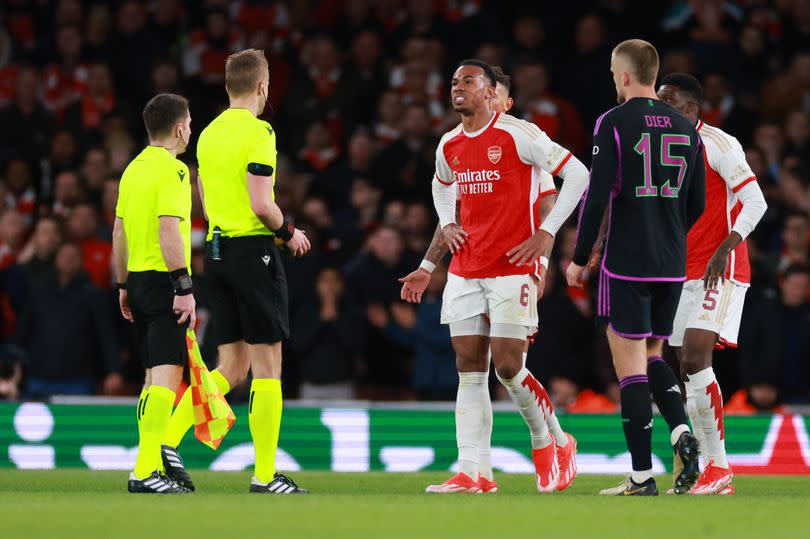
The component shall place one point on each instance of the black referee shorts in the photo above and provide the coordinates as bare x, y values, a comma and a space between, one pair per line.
638, 309
161, 340
248, 291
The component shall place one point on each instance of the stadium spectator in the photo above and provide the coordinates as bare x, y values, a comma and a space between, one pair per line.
334, 183
68, 333
19, 191
83, 228
722, 109
67, 193
372, 277
32, 123
12, 230
327, 339
553, 114
402, 166
583, 80
37, 257
64, 81
97, 32
787, 91
775, 342
133, 48
434, 375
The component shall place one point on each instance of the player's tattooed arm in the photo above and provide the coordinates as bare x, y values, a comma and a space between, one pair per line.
438, 247
415, 283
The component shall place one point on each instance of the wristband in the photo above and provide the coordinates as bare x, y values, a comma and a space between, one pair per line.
121, 286
285, 231
427, 265
181, 282
544, 261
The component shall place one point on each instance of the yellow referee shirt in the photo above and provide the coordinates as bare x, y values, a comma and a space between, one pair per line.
154, 184
234, 140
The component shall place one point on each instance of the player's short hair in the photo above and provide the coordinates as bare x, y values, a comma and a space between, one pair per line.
243, 70
502, 78
643, 59
163, 112
686, 84
488, 71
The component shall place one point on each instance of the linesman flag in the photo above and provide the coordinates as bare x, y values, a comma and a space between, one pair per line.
213, 417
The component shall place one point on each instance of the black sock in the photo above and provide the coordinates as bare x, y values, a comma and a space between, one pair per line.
637, 420
666, 391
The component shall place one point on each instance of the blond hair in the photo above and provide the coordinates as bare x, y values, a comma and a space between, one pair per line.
244, 70
643, 59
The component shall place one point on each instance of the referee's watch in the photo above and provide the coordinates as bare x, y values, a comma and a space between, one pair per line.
181, 282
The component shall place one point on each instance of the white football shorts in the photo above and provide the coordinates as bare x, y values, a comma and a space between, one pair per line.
718, 311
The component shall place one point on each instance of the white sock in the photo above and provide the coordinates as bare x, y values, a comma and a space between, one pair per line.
694, 418
640, 477
526, 397
676, 433
709, 408
485, 443
469, 421
548, 413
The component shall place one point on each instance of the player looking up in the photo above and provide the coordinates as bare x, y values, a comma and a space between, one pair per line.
152, 256
490, 298
416, 282
718, 275
648, 174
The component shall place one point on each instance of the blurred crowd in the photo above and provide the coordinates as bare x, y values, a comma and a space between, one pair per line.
359, 95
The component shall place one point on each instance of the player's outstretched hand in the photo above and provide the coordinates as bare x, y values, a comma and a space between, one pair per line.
123, 302
454, 236
574, 275
532, 249
299, 244
184, 308
715, 270
414, 285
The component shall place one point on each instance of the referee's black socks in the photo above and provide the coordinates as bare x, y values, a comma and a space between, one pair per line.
667, 394
637, 422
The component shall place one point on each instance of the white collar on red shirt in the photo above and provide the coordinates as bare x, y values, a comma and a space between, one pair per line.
489, 123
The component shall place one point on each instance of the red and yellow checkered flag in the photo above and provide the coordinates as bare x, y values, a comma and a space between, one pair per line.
213, 417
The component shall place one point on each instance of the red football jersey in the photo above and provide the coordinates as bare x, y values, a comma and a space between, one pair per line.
727, 172
502, 171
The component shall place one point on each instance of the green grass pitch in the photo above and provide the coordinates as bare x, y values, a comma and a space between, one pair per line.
88, 505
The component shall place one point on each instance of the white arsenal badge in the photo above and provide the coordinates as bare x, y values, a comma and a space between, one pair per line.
494, 153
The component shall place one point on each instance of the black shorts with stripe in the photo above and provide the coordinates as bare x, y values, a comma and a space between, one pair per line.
248, 291
638, 309
161, 340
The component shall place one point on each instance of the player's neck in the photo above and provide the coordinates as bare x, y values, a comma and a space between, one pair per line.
646, 92
248, 103
168, 145
478, 120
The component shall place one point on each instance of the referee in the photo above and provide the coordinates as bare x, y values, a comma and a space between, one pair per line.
237, 160
152, 253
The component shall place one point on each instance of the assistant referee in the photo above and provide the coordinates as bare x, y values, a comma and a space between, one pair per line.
237, 159
152, 254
